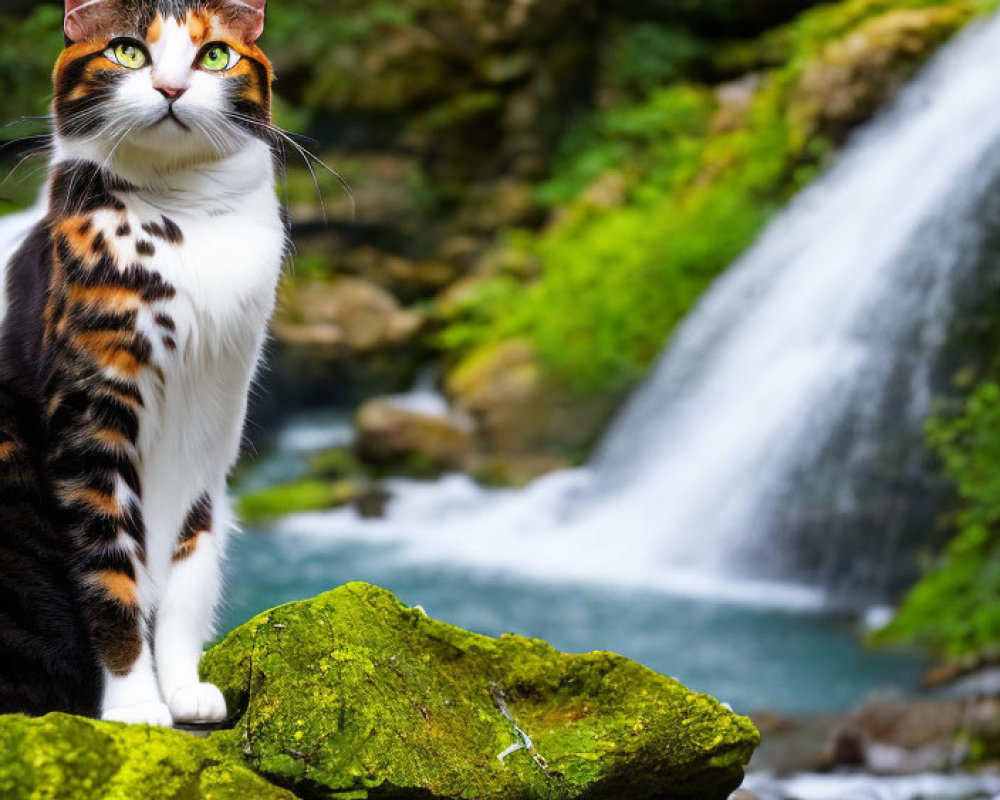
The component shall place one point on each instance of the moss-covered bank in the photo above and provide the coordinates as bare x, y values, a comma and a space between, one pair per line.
68, 758
351, 696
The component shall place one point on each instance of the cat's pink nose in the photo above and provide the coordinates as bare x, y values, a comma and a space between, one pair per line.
172, 93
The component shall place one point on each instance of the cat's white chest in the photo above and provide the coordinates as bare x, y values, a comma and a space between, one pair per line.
216, 275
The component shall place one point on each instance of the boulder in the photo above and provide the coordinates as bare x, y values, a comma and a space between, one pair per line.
346, 315
60, 757
409, 280
518, 408
352, 695
389, 434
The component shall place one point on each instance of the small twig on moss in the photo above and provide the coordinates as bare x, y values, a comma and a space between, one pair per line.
525, 744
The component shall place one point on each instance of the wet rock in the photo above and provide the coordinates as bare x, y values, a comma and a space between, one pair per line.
372, 503
511, 470
503, 389
515, 406
352, 695
390, 435
346, 315
883, 737
405, 279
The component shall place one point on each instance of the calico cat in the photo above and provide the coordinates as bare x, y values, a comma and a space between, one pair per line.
133, 319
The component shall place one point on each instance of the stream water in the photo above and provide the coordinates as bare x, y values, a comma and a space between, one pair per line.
779, 653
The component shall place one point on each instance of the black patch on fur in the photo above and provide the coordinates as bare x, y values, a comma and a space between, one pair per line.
167, 230
173, 232
28, 278
48, 662
144, 248
166, 322
81, 187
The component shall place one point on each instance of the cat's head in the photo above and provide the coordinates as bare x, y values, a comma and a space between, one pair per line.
178, 77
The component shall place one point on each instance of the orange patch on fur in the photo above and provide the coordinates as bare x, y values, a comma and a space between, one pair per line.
100, 341
122, 362
118, 586
80, 234
155, 30
254, 52
90, 72
75, 51
254, 91
186, 548
105, 502
113, 439
107, 348
111, 297
7, 450
199, 25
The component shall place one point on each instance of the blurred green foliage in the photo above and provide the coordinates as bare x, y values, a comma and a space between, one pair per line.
28, 49
954, 610
647, 55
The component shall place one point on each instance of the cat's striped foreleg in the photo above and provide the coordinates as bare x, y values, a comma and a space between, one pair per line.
111, 568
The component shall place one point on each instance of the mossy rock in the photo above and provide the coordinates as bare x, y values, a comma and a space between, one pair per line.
310, 494
353, 695
62, 757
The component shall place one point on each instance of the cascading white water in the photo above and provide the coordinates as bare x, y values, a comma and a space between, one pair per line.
786, 390
818, 347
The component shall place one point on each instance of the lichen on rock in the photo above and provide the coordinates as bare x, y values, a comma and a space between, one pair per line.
352, 695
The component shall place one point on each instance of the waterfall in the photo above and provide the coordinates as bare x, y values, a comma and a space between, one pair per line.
779, 433
774, 453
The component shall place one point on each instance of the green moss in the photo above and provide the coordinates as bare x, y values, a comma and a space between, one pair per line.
28, 49
68, 758
292, 498
353, 695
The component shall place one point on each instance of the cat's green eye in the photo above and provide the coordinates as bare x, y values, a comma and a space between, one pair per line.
127, 55
219, 57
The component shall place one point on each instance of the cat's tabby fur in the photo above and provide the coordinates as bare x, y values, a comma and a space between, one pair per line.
133, 316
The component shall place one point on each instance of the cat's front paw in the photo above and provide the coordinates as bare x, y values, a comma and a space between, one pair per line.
200, 702
152, 713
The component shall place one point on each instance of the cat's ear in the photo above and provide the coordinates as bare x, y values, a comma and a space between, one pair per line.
79, 18
252, 17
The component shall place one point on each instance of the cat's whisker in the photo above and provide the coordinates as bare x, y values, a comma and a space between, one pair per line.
308, 157
117, 146
21, 162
